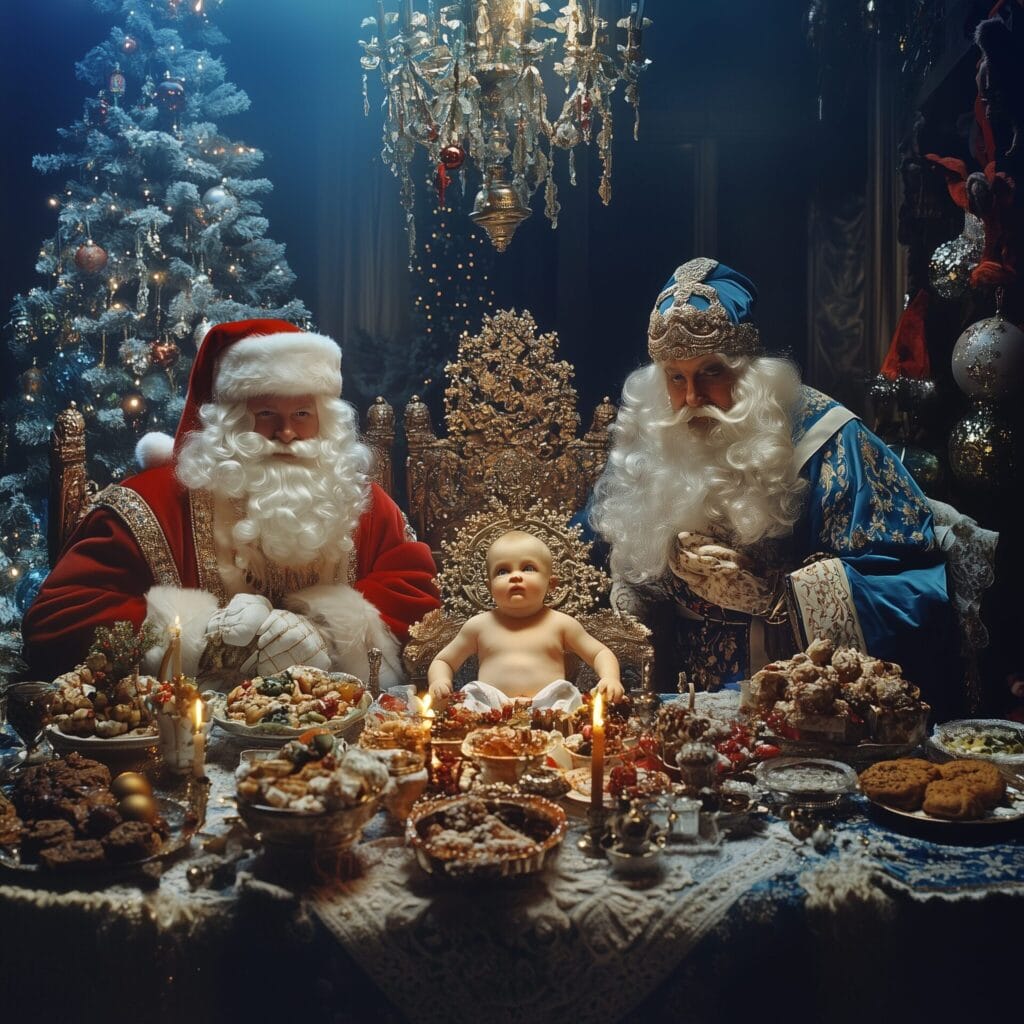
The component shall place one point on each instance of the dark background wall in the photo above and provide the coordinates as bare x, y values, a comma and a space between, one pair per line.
729, 155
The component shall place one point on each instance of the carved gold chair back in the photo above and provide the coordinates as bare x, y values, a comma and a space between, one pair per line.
71, 491
511, 431
464, 591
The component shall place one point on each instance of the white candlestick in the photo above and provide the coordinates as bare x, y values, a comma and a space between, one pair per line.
198, 742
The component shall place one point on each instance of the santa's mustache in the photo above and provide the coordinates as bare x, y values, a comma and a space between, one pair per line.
712, 412
264, 448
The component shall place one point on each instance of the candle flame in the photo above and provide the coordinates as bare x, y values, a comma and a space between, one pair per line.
425, 709
176, 628
598, 713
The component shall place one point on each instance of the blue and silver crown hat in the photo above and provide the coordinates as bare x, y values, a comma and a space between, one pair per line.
704, 307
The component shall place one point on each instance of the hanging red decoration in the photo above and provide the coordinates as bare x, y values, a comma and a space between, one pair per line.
90, 257
165, 353
453, 156
130, 44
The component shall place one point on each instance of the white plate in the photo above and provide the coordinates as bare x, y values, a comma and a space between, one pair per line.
274, 735
63, 743
579, 780
967, 727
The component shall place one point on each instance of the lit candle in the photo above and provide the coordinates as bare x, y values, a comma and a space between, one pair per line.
597, 755
427, 714
198, 741
176, 648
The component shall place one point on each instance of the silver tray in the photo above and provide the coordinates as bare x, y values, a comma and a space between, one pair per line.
96, 746
174, 812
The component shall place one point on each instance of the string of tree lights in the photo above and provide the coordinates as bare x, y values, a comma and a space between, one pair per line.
158, 234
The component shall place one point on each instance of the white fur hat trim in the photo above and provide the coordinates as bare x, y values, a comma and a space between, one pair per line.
154, 449
290, 363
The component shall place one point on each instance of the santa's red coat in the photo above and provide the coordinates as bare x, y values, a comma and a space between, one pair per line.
102, 575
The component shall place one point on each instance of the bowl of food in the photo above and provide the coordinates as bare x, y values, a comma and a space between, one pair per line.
484, 836
503, 753
311, 794
985, 739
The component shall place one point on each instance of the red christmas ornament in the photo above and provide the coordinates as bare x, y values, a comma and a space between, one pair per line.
102, 109
130, 44
164, 353
453, 157
90, 257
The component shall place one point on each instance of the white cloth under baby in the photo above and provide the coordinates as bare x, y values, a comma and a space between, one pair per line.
560, 695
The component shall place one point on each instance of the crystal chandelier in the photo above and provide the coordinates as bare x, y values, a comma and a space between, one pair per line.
464, 79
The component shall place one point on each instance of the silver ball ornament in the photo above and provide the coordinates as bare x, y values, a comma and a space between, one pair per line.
988, 359
981, 449
218, 200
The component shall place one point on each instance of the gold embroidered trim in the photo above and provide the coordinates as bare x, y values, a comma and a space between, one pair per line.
133, 511
201, 504
684, 331
821, 603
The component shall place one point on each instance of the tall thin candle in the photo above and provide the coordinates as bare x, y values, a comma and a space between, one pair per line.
597, 754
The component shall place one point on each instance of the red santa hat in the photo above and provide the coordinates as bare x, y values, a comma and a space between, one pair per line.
243, 360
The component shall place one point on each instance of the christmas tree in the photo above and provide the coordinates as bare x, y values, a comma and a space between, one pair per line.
158, 235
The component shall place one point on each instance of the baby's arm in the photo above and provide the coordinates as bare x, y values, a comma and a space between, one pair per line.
443, 668
597, 656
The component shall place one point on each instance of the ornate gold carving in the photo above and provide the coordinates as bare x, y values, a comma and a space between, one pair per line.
70, 490
130, 506
380, 437
464, 590
463, 582
510, 412
683, 331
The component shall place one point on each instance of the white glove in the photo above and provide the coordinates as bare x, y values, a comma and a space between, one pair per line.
238, 623
287, 639
720, 575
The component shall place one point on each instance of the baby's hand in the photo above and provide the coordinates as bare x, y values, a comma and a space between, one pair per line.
610, 689
440, 691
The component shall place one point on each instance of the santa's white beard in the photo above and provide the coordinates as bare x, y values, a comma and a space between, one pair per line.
730, 476
296, 501
290, 512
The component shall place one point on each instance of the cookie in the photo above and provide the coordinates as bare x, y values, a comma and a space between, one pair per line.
900, 783
984, 777
953, 799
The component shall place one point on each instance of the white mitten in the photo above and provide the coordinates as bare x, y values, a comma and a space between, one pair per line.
287, 639
720, 575
238, 623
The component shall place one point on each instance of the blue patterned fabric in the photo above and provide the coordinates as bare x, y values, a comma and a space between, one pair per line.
735, 292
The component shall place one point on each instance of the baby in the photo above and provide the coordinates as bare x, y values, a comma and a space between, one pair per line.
520, 645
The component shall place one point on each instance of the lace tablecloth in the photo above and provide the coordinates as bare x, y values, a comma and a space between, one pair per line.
739, 927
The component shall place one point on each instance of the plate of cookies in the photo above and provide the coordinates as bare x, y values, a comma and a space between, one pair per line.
967, 791
69, 818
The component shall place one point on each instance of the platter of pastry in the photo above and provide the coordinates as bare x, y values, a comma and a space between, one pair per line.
136, 740
268, 710
966, 792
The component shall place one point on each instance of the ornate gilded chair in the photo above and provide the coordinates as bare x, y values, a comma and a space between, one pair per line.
71, 491
511, 419
464, 591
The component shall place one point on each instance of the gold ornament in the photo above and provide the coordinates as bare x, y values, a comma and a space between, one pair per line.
138, 807
32, 381
499, 209
133, 405
130, 783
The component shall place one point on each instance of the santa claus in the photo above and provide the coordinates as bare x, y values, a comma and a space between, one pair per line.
761, 511
256, 530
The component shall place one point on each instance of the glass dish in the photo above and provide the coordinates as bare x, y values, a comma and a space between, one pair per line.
969, 738
806, 781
